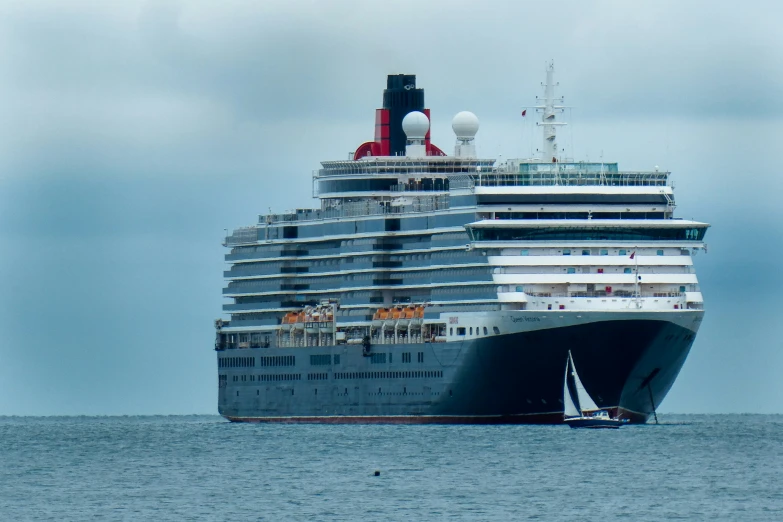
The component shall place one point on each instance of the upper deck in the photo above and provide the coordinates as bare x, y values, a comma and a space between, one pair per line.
402, 172
459, 178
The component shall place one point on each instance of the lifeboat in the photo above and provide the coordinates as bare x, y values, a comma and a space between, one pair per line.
288, 321
378, 317
389, 320
401, 315
298, 325
418, 317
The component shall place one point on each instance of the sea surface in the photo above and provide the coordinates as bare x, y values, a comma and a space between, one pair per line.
690, 467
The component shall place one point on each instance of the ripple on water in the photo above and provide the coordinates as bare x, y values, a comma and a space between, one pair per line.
722, 467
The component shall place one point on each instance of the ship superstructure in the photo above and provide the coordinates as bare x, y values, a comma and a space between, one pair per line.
449, 288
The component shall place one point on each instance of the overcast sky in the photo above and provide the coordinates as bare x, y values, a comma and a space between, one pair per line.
133, 133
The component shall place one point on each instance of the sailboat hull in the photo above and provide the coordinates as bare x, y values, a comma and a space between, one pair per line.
587, 422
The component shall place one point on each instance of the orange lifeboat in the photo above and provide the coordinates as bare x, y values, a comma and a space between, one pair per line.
418, 316
400, 317
389, 319
287, 321
299, 322
378, 317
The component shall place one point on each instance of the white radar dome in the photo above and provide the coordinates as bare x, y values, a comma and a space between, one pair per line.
415, 125
465, 125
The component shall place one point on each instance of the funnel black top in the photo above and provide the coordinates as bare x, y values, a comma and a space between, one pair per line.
400, 97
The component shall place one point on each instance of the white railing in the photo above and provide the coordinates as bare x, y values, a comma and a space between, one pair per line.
571, 178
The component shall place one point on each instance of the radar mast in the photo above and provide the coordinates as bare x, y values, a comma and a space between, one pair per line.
549, 110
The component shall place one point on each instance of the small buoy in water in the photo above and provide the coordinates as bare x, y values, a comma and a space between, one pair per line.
377, 473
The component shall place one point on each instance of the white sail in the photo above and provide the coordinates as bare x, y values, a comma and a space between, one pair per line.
585, 401
568, 401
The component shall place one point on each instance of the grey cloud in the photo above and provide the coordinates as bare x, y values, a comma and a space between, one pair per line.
134, 133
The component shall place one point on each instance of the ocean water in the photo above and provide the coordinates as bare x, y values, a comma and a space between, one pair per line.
690, 467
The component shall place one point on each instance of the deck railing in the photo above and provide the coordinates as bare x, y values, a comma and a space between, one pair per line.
571, 178
247, 235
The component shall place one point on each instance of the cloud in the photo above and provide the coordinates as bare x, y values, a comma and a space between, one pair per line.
135, 132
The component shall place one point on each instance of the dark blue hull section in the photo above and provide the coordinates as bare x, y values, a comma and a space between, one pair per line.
628, 366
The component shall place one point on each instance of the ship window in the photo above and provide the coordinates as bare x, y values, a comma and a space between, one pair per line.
586, 252
485, 330
496, 330
461, 330
471, 330
598, 233
682, 289
451, 331
604, 252
660, 252
523, 252
337, 358
626, 270
623, 252
571, 270
566, 251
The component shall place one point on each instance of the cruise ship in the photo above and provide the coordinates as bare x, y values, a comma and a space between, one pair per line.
437, 288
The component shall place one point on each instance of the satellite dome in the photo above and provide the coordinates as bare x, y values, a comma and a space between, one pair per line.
465, 125
415, 125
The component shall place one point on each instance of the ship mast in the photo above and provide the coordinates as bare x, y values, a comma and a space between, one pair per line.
548, 112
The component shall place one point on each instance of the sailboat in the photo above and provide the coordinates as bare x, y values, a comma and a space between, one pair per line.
583, 413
